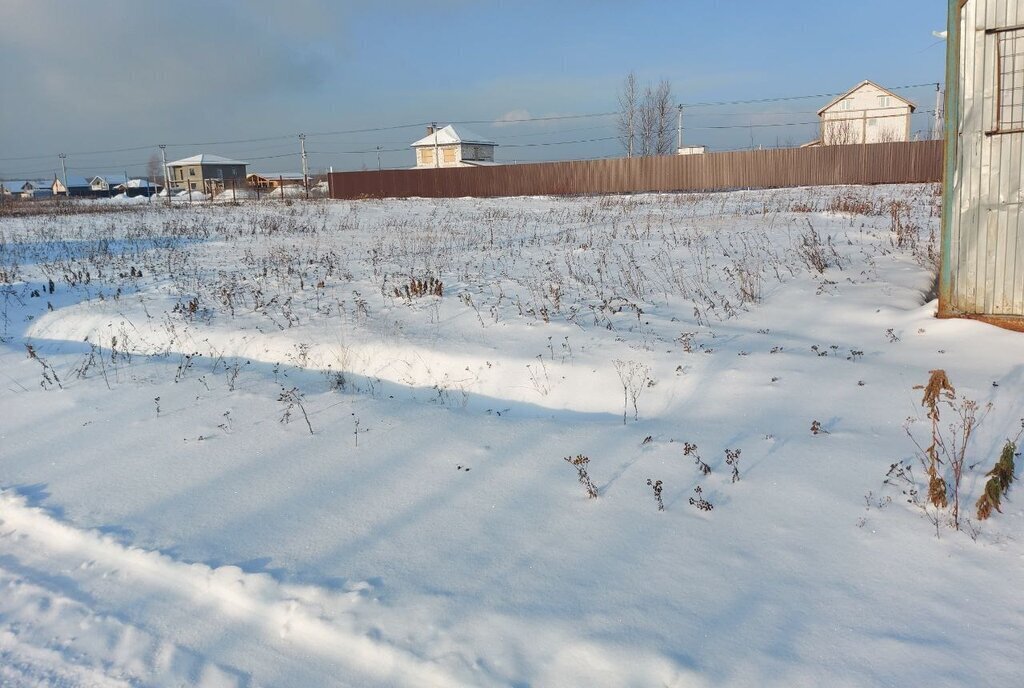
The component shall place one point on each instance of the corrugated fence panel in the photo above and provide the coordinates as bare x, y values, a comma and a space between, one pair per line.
877, 163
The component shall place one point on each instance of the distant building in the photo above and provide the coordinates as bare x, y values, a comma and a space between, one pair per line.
138, 187
982, 255
691, 150
11, 189
207, 173
269, 182
449, 147
867, 113
76, 186
25, 189
104, 185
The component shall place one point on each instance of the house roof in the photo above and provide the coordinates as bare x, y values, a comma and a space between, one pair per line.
205, 159
862, 85
13, 186
74, 181
449, 135
139, 184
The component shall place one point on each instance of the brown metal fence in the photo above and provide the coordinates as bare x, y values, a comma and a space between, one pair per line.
876, 163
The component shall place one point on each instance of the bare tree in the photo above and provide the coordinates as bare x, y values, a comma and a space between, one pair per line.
661, 104
629, 106
645, 122
838, 132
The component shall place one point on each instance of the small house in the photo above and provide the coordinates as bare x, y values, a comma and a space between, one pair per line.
105, 185
981, 272
451, 147
207, 173
269, 182
12, 189
138, 187
867, 113
26, 189
72, 186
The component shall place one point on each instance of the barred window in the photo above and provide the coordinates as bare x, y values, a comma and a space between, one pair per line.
1010, 80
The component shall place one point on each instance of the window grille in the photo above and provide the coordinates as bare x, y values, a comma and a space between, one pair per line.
1010, 80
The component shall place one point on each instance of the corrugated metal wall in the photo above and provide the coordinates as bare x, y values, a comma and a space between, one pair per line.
986, 252
877, 163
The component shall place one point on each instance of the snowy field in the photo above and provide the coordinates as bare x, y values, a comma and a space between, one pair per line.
322, 444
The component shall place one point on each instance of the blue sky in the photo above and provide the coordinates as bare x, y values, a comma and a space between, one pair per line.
88, 78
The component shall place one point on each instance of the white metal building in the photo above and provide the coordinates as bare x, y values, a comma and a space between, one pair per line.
982, 273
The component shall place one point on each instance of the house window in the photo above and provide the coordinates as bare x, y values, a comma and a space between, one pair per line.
872, 122
1010, 80
180, 173
192, 185
846, 104
426, 156
884, 101
191, 171
449, 155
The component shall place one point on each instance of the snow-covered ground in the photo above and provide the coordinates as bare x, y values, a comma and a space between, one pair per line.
168, 518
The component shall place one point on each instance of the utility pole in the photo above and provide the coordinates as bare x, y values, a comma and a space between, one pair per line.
305, 164
64, 173
679, 129
167, 178
378, 158
937, 127
433, 125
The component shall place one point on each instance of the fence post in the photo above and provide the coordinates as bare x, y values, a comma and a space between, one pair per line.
280, 185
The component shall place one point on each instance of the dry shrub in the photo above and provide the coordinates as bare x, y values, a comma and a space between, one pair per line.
579, 462
999, 479
948, 447
855, 205
417, 288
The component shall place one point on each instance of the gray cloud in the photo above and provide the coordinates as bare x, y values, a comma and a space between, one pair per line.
98, 74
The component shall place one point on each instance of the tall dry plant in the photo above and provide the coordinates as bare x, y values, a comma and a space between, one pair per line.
947, 447
937, 389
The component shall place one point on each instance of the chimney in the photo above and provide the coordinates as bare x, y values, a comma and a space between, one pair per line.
431, 128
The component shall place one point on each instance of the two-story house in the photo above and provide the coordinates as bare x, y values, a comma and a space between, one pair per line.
448, 147
867, 113
206, 173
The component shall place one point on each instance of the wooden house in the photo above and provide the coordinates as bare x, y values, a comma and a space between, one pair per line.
269, 182
448, 147
982, 254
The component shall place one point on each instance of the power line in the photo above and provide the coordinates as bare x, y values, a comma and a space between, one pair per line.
532, 119
777, 100
492, 122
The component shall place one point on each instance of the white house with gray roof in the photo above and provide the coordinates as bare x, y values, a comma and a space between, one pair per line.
451, 147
